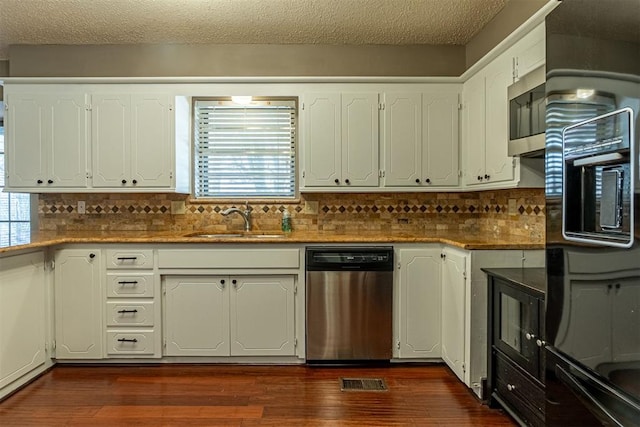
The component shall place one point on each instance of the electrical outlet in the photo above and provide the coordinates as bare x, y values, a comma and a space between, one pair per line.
81, 207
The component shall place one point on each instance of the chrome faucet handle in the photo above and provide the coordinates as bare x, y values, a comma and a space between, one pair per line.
247, 207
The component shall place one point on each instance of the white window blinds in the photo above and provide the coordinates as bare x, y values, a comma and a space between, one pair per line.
244, 150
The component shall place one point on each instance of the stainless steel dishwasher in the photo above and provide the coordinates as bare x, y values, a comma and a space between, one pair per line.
349, 300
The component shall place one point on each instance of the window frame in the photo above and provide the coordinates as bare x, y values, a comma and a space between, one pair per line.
294, 198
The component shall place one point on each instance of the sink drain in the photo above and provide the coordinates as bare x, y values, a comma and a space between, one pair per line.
362, 384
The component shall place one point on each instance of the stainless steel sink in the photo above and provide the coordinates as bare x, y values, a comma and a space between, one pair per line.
235, 235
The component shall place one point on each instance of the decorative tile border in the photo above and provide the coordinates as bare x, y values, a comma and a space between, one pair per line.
528, 210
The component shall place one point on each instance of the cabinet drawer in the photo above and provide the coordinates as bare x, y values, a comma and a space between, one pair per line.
129, 259
130, 285
520, 391
130, 343
127, 314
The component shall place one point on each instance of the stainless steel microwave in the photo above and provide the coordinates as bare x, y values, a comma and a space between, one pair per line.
527, 114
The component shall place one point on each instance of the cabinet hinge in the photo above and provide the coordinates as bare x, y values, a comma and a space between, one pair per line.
464, 274
53, 345
164, 343
399, 265
304, 173
459, 174
170, 107
295, 342
460, 107
381, 106
303, 105
398, 345
53, 264
464, 368
170, 174
295, 289
6, 106
88, 107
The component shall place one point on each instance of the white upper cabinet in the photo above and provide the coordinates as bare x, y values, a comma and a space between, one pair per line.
440, 139
46, 141
485, 123
132, 141
402, 124
360, 139
64, 138
485, 118
421, 139
529, 52
340, 140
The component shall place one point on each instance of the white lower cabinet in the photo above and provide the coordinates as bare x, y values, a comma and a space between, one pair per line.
229, 315
78, 304
418, 313
454, 285
23, 316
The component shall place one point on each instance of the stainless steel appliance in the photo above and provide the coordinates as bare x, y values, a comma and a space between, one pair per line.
592, 313
349, 294
527, 115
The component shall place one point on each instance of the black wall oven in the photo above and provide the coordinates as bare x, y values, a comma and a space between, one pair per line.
592, 313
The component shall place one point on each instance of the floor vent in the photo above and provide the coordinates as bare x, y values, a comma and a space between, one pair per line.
362, 384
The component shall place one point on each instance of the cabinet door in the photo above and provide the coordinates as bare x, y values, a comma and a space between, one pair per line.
474, 128
418, 317
151, 141
498, 165
68, 137
322, 140
22, 316
111, 140
626, 318
587, 298
262, 316
529, 52
360, 139
26, 141
78, 304
196, 311
453, 311
440, 134
402, 121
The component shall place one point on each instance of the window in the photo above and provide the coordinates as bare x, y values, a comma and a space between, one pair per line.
244, 150
15, 226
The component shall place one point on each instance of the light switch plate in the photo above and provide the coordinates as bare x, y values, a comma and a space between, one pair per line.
81, 208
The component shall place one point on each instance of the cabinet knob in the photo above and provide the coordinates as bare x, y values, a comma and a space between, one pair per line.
428, 181
124, 181
487, 177
49, 181
540, 343
529, 336
479, 178
92, 256
417, 180
337, 181
511, 387
347, 181
135, 181
39, 181
234, 281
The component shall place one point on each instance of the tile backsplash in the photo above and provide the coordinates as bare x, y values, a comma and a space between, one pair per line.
518, 212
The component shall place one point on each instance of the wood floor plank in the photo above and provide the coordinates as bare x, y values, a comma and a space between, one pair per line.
235, 395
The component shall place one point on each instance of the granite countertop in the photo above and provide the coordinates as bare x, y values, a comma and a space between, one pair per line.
464, 240
534, 279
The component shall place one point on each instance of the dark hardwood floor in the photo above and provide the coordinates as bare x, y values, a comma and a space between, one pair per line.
231, 395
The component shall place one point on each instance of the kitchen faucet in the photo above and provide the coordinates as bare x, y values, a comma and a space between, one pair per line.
246, 214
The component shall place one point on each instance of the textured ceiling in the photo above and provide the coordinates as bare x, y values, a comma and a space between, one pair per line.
243, 21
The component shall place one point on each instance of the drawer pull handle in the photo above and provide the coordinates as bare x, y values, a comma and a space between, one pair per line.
127, 340
511, 387
128, 282
127, 311
127, 258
